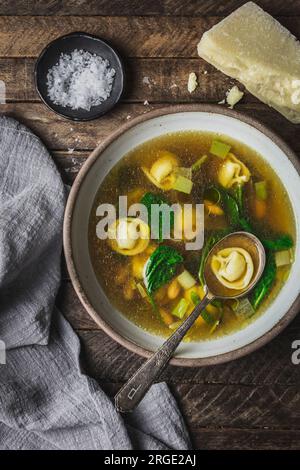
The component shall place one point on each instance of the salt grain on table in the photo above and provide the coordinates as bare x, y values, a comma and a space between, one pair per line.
80, 80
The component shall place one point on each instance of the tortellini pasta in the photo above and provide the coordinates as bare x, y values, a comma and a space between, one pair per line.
129, 236
233, 268
232, 172
163, 171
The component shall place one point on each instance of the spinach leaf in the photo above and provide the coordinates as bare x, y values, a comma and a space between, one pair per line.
232, 210
238, 194
284, 242
236, 219
235, 213
161, 267
232, 202
265, 283
246, 225
148, 200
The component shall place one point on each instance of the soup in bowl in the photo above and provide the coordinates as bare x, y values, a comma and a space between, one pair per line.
206, 174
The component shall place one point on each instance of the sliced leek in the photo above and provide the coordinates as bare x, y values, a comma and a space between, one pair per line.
186, 280
283, 258
220, 149
198, 164
183, 184
141, 290
243, 308
261, 190
181, 308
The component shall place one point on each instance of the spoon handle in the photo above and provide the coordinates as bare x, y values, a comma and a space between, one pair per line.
135, 389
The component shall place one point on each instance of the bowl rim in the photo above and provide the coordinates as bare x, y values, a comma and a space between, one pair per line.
89, 36
67, 233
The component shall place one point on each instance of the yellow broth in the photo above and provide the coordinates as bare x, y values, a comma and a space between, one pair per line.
114, 271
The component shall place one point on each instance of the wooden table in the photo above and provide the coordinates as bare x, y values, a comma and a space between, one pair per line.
254, 402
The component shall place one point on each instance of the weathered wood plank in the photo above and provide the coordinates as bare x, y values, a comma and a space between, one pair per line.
155, 80
275, 407
13, 74
245, 439
134, 36
140, 7
69, 164
235, 406
262, 419
110, 362
59, 133
252, 403
26, 36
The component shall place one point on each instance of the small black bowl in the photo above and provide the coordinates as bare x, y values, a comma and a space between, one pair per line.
66, 44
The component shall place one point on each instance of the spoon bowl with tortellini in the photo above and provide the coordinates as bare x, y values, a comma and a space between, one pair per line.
234, 265
232, 268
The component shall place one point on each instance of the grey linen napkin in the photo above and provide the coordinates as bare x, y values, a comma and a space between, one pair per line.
46, 400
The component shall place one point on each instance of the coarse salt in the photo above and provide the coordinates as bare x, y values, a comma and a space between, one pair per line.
80, 80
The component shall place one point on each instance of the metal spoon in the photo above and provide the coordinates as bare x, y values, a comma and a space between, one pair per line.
134, 390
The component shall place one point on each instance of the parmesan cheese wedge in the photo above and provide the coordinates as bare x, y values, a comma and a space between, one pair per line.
251, 46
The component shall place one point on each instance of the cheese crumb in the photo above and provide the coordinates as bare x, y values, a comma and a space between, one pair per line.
233, 96
192, 82
146, 81
149, 82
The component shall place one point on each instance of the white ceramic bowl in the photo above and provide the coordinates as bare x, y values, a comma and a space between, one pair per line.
153, 124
